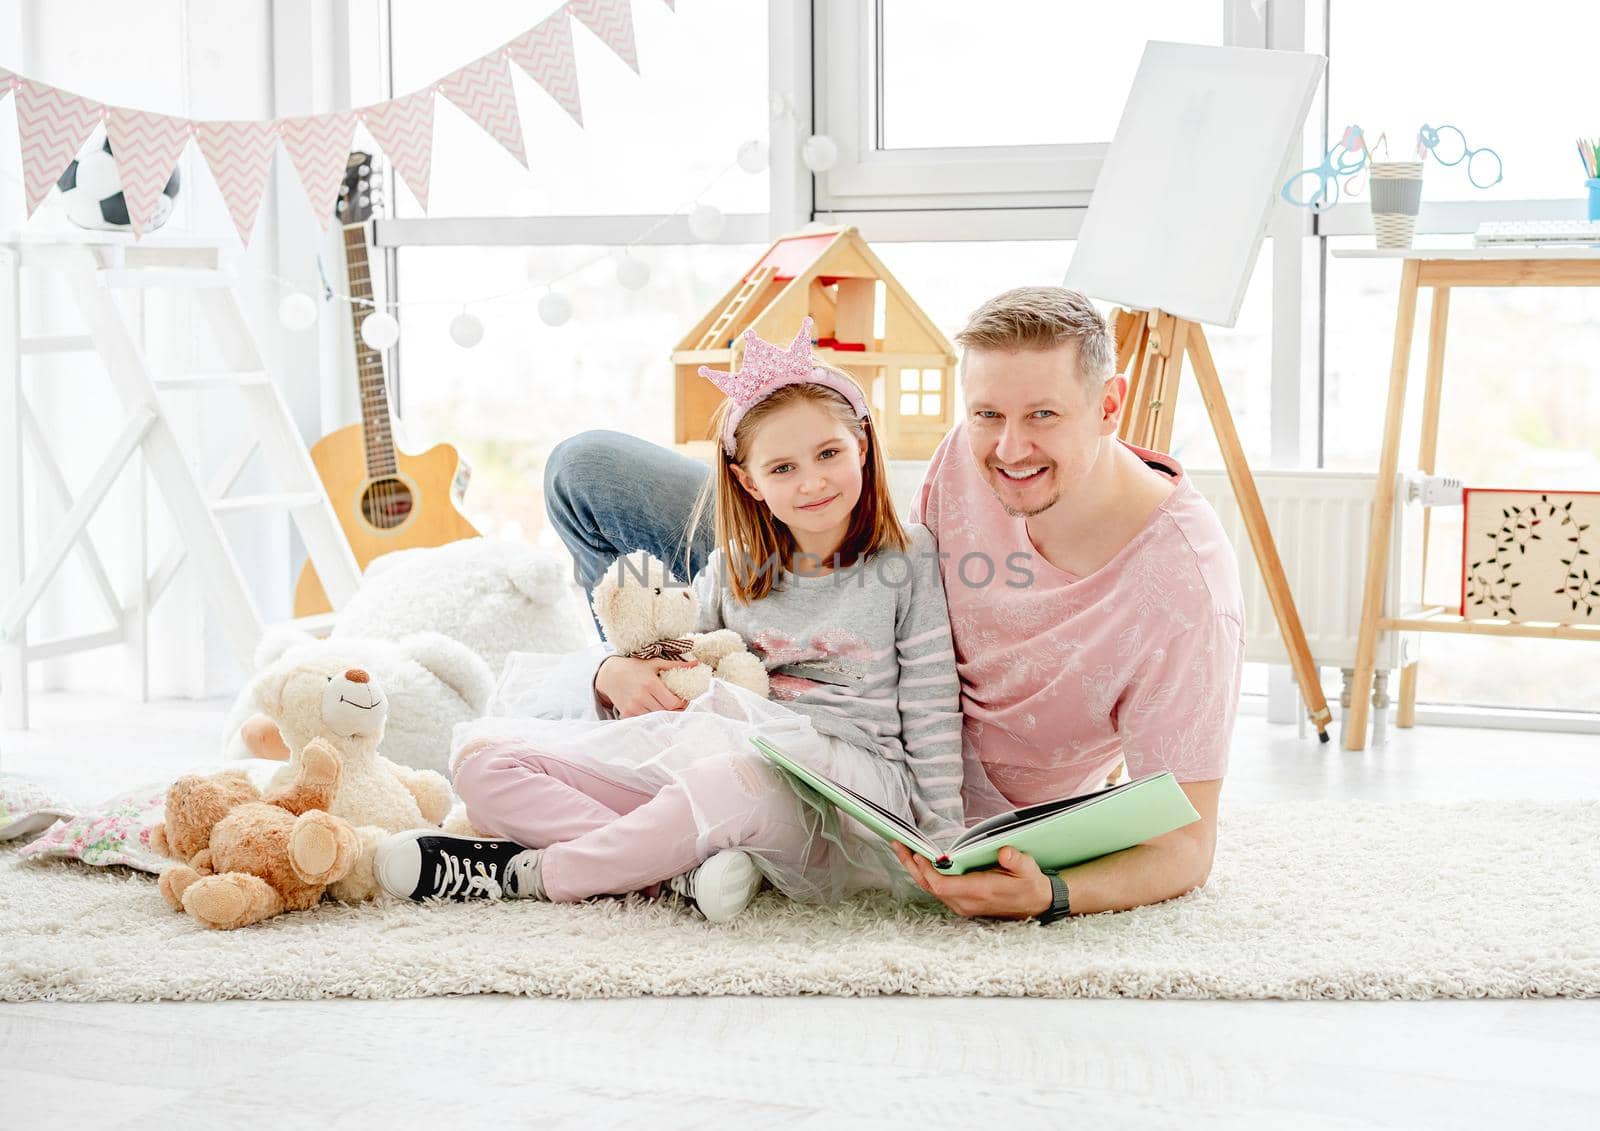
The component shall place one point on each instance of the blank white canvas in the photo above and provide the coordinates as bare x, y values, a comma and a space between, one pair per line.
1184, 195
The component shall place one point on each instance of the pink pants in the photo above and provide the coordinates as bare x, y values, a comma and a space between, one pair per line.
602, 837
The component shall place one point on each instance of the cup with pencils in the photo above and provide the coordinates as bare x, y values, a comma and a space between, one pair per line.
1589, 154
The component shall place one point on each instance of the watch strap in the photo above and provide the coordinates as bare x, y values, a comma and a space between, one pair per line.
1060, 901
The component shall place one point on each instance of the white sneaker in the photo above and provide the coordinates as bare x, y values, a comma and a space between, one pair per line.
722, 886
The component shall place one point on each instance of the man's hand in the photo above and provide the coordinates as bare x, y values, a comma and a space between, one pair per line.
634, 687
1014, 889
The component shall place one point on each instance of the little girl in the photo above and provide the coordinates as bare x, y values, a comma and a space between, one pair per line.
846, 610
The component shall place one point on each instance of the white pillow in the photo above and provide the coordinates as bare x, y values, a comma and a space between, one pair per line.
26, 807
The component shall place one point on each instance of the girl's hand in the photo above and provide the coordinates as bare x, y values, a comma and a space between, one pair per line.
633, 687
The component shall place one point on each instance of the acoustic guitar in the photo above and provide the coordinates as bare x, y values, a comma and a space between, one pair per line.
386, 499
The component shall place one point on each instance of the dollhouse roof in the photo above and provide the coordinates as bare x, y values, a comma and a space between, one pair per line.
825, 256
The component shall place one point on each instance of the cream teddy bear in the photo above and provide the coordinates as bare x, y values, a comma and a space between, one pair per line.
433, 683
646, 614
321, 701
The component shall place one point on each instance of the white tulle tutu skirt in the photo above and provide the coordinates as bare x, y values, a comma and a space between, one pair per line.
540, 703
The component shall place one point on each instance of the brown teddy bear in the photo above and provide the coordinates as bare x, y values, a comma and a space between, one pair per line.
246, 857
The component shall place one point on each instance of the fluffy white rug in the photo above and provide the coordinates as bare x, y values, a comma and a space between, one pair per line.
1306, 900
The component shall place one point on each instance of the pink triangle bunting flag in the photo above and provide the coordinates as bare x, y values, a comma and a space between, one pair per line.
545, 52
240, 155
146, 147
52, 126
319, 147
612, 21
403, 129
483, 90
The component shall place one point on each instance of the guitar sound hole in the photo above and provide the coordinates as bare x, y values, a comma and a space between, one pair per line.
386, 503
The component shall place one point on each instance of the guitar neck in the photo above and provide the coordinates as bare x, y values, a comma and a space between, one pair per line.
375, 423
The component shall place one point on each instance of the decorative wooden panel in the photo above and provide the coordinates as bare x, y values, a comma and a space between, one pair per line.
1531, 556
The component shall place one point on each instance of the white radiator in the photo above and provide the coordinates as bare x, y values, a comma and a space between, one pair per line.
1320, 520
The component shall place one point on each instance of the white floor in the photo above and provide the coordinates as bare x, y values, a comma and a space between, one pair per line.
817, 1062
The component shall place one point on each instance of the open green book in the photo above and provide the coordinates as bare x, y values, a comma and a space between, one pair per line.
1058, 834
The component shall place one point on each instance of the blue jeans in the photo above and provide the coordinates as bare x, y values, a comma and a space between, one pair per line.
608, 494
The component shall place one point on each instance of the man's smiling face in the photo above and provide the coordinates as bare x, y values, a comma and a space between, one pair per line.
1034, 424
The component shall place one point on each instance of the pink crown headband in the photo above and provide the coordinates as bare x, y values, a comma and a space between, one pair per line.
768, 368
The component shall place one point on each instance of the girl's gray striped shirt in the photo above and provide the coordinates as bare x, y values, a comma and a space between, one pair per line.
865, 653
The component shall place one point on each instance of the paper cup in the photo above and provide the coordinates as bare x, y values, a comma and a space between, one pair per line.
1396, 188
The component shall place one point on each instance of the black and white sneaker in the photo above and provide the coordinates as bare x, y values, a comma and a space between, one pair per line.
423, 864
721, 887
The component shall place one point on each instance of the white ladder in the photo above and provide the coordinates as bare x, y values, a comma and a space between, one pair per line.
93, 270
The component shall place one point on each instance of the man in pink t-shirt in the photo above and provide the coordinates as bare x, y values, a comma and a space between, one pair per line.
1094, 601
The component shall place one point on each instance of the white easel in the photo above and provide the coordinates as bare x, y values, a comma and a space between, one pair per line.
93, 266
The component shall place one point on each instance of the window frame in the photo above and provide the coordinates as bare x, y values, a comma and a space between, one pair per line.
848, 107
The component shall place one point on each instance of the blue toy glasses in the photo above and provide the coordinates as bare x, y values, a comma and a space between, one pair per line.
1318, 188
1449, 147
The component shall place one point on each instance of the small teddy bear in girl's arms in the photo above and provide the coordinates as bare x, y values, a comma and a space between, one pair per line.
647, 614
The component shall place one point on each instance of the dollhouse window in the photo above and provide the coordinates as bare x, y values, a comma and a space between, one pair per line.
920, 392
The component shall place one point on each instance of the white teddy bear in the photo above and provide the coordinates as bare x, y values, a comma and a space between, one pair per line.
494, 596
321, 701
645, 613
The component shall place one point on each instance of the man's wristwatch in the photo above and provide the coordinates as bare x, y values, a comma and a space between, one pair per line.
1060, 906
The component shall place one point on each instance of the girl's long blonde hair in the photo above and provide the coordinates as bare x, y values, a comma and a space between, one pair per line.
755, 545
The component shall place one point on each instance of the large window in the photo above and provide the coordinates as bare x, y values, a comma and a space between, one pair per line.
969, 137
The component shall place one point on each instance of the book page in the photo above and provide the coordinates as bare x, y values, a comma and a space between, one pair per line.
1016, 818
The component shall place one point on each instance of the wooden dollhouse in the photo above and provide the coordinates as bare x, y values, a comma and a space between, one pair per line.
865, 323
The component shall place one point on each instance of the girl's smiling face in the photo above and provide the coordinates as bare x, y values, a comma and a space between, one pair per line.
806, 466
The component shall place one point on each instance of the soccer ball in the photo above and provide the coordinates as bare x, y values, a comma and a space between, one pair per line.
91, 188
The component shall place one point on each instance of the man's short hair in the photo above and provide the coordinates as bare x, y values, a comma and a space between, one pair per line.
1042, 318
